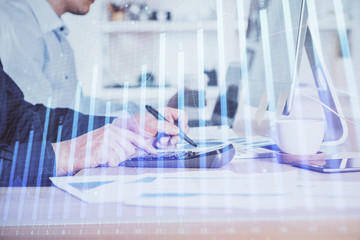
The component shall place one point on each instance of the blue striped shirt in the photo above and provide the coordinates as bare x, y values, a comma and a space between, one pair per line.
35, 52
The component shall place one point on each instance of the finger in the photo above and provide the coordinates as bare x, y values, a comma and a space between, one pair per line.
160, 146
119, 137
99, 147
164, 140
168, 115
117, 155
166, 146
127, 145
151, 141
175, 140
119, 145
95, 159
179, 115
136, 140
169, 128
107, 157
140, 142
102, 157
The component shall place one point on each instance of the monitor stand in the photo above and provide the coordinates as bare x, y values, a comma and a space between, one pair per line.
336, 130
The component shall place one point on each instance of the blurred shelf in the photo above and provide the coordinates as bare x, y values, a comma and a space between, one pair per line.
156, 26
152, 96
210, 25
150, 93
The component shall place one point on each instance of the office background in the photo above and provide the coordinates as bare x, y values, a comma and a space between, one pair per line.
112, 50
122, 45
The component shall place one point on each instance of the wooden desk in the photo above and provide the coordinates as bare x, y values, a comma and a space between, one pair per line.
61, 216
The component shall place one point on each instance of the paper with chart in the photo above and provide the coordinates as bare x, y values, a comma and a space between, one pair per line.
214, 189
335, 194
186, 189
215, 137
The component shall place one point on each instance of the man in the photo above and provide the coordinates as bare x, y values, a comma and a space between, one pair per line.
33, 45
38, 142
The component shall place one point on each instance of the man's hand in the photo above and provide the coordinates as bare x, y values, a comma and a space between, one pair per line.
164, 133
107, 145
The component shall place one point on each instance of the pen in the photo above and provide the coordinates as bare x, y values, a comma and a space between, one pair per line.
158, 116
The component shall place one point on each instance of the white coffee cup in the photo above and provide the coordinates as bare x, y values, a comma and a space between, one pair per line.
299, 136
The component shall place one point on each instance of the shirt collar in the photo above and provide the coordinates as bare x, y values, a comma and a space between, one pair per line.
46, 16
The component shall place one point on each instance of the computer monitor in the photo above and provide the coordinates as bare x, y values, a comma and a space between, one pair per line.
276, 38
271, 38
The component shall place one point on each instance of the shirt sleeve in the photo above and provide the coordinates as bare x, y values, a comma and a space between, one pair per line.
27, 164
73, 124
26, 154
32, 161
17, 48
25, 160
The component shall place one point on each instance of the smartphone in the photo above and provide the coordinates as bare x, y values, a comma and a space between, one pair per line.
333, 165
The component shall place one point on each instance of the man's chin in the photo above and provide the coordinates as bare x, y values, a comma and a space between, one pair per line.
83, 12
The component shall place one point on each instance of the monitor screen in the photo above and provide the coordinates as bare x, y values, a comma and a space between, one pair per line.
274, 27
272, 34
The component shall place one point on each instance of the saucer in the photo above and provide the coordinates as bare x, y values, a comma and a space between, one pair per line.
318, 158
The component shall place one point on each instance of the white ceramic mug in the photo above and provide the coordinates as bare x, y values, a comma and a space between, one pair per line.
299, 136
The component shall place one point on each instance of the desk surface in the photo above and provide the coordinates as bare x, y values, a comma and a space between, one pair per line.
50, 212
